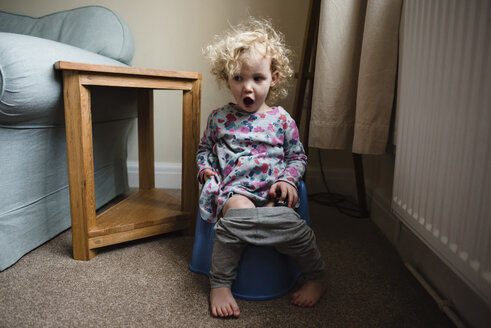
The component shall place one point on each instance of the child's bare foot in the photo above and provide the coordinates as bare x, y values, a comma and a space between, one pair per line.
309, 294
223, 303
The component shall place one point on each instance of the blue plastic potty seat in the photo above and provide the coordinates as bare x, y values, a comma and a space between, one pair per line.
263, 273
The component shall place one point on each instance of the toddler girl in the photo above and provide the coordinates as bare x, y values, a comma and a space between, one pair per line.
250, 159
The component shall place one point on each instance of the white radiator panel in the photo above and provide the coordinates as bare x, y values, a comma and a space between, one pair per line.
442, 183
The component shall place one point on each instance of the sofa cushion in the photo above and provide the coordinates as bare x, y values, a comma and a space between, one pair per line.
93, 28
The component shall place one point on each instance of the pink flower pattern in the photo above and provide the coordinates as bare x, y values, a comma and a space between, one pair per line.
250, 152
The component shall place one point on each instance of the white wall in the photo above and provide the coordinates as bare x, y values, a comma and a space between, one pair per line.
169, 35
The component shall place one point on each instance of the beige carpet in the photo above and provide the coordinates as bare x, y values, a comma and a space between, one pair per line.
147, 284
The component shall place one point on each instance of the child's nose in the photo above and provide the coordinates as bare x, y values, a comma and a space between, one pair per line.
247, 86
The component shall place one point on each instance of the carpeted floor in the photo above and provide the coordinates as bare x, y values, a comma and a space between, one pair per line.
147, 283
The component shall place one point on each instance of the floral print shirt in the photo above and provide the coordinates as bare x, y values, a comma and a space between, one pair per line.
249, 152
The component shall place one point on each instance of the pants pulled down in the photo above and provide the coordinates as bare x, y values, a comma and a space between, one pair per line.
280, 227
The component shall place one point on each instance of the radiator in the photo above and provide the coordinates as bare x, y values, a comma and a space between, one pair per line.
442, 182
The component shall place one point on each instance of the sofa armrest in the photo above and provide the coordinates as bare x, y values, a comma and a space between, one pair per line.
30, 88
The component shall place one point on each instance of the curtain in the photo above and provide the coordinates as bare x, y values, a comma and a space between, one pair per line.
355, 75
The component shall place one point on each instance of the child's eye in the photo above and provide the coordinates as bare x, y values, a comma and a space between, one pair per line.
258, 78
237, 78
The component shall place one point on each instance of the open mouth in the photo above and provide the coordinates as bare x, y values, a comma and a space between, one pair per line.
248, 101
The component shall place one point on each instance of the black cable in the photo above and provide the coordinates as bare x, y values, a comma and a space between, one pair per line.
342, 203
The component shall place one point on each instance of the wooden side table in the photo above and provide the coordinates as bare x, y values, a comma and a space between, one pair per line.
149, 211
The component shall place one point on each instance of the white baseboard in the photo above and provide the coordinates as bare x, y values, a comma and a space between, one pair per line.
167, 175
454, 294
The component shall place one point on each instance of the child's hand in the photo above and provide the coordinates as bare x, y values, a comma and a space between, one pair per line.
207, 173
283, 190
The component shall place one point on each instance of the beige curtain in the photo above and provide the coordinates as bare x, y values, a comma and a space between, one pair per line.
355, 75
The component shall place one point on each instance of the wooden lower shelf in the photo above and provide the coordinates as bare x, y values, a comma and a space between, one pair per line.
143, 214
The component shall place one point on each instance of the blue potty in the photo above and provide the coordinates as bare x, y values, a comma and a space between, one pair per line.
263, 273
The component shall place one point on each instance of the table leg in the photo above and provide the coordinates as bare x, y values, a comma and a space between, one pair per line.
190, 139
146, 155
78, 124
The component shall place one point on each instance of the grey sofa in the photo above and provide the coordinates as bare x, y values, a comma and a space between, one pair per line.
34, 196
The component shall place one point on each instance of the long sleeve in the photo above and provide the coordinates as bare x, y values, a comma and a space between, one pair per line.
294, 154
206, 157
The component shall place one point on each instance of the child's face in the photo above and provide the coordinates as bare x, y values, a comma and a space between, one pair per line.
251, 85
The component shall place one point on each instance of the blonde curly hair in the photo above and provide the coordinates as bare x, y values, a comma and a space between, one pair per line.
228, 50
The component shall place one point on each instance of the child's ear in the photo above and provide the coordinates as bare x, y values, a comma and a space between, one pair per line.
274, 78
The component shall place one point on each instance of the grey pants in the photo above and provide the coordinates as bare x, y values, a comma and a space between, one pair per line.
280, 227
